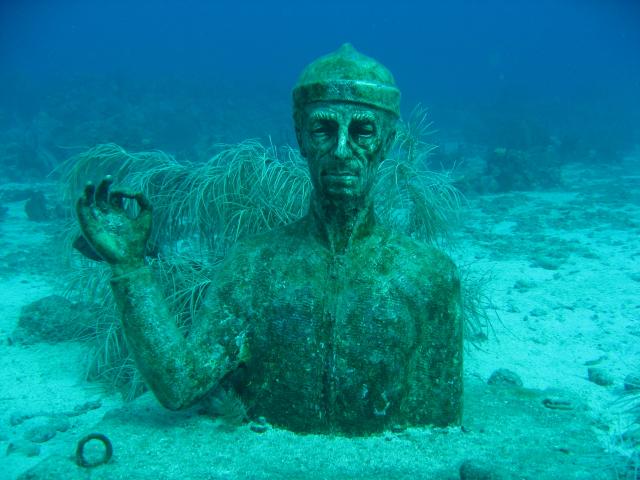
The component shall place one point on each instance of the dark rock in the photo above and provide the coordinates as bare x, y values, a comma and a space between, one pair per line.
40, 433
478, 470
36, 207
61, 423
258, 427
25, 447
556, 402
595, 361
538, 312
505, 377
600, 376
52, 319
86, 407
18, 418
398, 428
524, 286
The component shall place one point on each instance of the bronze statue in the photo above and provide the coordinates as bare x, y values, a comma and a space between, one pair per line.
332, 324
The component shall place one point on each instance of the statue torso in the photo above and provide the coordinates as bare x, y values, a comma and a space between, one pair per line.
342, 341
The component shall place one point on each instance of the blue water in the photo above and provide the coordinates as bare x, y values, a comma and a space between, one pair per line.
565, 68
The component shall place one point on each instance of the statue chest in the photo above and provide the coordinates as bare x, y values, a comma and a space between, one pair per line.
330, 342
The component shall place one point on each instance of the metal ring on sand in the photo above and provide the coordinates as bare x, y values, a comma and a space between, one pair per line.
108, 450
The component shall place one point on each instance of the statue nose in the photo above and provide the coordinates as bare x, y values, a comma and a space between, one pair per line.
342, 146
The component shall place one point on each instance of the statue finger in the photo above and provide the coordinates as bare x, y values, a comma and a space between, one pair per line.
116, 199
85, 211
89, 194
85, 202
102, 192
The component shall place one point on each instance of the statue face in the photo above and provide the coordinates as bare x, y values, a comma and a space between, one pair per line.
344, 143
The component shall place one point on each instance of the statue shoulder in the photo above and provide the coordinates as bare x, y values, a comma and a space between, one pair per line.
259, 250
425, 262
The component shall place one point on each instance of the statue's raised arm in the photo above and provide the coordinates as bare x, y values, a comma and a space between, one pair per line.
179, 369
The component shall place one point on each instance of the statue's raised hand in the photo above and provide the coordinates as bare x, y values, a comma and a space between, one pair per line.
114, 235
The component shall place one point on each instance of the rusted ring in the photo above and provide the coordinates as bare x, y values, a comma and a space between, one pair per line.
108, 450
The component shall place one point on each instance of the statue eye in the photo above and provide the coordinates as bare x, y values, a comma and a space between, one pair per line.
362, 130
323, 129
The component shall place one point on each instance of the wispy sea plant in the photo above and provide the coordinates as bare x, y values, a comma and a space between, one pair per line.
412, 197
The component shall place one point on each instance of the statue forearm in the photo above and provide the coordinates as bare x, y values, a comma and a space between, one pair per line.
177, 370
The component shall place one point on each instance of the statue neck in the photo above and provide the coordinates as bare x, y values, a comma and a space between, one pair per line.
340, 222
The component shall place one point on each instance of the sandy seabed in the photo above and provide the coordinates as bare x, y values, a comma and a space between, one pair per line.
563, 272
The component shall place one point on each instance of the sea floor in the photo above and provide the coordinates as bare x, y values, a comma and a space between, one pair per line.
562, 270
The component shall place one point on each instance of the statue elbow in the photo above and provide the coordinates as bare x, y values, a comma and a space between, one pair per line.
171, 399
172, 404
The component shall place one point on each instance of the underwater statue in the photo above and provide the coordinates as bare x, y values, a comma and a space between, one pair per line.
332, 324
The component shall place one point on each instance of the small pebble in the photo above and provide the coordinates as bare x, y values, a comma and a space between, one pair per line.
558, 403
258, 428
259, 425
599, 376
398, 429
595, 361
40, 434
18, 418
505, 377
61, 423
87, 406
538, 312
24, 447
524, 285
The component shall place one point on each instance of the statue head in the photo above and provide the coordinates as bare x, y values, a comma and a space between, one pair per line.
345, 109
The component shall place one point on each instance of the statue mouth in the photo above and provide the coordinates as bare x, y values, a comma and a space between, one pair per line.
344, 174
340, 177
